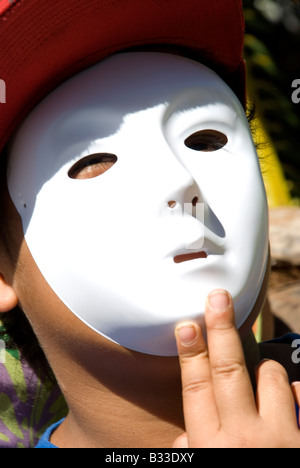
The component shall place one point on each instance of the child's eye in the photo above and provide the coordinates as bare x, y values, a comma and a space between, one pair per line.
206, 140
92, 166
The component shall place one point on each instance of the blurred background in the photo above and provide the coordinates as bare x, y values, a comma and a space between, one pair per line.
272, 52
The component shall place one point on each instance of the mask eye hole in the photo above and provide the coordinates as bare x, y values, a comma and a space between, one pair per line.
92, 166
206, 141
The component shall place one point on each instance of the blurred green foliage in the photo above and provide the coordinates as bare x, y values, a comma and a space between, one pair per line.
272, 52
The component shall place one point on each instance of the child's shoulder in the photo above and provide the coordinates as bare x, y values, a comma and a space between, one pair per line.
28, 404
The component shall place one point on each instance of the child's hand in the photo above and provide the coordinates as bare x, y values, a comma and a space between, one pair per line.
219, 406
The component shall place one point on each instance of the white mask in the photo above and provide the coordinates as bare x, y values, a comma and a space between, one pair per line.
106, 245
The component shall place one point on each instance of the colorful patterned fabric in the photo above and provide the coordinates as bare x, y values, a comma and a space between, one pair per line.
27, 406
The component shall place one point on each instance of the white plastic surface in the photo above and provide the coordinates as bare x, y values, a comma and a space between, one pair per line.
106, 245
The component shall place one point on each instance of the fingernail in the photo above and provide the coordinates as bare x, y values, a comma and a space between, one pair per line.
187, 334
219, 301
264, 360
295, 384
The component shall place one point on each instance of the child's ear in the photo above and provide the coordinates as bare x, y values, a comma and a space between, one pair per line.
8, 297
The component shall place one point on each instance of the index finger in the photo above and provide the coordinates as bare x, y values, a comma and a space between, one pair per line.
200, 411
232, 385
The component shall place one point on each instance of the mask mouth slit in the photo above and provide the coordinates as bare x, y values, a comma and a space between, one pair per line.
189, 256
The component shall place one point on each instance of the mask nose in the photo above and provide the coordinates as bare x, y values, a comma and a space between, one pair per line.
172, 204
175, 184
184, 194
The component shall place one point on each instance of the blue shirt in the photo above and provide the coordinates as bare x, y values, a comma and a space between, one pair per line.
44, 441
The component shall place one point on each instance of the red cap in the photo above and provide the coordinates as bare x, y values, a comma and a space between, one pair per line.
45, 42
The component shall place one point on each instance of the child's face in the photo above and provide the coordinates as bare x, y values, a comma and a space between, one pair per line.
122, 176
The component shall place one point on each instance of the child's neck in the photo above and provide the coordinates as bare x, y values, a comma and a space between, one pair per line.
141, 406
